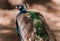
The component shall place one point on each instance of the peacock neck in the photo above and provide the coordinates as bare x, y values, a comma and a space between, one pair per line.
23, 10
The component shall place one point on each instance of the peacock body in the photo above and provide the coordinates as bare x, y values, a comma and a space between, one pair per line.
30, 26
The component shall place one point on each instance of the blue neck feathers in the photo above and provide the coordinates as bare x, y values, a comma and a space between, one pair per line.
22, 9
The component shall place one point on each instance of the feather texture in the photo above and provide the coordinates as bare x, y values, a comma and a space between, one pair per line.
31, 26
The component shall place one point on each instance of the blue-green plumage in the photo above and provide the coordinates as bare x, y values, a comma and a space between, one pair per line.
22, 11
39, 26
40, 31
38, 23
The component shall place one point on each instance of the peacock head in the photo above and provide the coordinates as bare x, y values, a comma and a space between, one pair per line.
20, 7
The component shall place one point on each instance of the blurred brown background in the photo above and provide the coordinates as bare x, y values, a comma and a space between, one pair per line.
50, 11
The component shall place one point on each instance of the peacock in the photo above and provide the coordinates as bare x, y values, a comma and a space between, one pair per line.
31, 26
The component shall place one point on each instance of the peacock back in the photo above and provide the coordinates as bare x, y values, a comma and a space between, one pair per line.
31, 22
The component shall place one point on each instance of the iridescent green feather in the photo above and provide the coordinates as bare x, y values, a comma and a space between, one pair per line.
39, 26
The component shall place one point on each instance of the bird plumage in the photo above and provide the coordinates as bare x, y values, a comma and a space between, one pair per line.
31, 26
22, 10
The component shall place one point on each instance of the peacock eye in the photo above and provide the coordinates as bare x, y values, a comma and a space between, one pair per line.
19, 7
